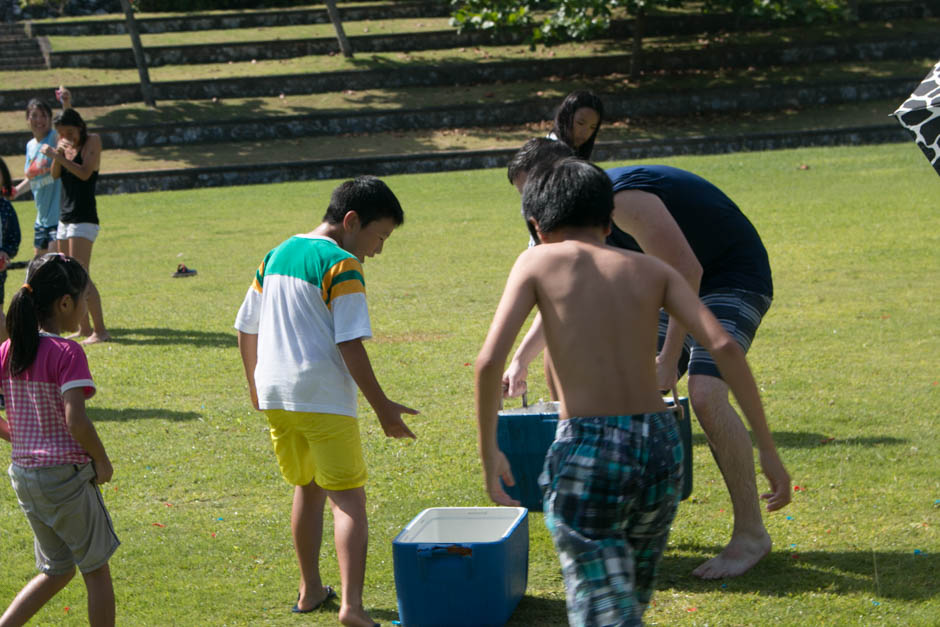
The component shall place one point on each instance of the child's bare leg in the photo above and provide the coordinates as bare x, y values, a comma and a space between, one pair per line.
731, 446
98, 331
33, 596
351, 534
100, 597
80, 248
307, 528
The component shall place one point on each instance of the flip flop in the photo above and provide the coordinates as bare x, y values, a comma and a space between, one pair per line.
330, 594
182, 270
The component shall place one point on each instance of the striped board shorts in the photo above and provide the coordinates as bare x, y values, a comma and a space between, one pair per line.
611, 488
740, 313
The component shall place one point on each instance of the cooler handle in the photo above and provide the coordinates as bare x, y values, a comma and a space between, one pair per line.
426, 551
676, 407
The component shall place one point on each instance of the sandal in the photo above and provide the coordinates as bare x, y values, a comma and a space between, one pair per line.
182, 270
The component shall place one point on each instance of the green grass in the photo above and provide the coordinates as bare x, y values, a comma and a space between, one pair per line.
847, 352
63, 43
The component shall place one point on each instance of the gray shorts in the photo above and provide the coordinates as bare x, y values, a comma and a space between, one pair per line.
71, 526
740, 313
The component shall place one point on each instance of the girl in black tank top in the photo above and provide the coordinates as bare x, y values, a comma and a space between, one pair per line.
76, 161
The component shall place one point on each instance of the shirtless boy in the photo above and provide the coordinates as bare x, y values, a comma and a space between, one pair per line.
612, 477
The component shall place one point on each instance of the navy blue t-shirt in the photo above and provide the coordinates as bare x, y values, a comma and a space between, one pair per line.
723, 239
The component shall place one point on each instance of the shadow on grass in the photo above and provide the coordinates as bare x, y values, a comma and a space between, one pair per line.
197, 111
128, 414
795, 439
537, 611
887, 574
153, 336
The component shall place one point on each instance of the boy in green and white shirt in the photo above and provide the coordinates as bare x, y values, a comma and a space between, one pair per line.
300, 332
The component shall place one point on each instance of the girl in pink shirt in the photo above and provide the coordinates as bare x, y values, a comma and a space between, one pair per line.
58, 459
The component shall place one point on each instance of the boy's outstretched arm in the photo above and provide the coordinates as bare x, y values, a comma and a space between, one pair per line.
514, 306
248, 347
690, 312
389, 412
514, 379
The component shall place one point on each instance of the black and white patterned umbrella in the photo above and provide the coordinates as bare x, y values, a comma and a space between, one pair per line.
920, 114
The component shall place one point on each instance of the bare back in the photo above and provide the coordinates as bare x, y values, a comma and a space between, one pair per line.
600, 310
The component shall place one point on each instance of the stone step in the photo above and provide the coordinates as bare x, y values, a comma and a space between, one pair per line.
727, 100
230, 20
27, 64
388, 164
467, 73
898, 44
656, 24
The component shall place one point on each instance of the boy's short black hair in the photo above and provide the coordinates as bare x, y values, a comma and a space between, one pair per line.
369, 197
533, 153
569, 192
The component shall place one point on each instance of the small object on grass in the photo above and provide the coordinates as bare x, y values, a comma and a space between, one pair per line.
918, 552
158, 525
183, 271
789, 517
330, 594
797, 488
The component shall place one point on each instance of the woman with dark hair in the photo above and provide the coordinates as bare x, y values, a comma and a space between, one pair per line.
76, 161
577, 121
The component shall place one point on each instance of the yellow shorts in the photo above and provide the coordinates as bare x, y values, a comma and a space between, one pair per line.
318, 447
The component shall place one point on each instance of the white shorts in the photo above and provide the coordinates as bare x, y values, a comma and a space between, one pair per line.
87, 230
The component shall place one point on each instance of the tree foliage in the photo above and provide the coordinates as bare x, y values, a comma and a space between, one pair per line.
547, 21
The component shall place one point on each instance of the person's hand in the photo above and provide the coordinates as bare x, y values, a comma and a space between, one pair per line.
666, 374
392, 424
4, 260
493, 470
514, 380
103, 471
779, 480
48, 150
254, 397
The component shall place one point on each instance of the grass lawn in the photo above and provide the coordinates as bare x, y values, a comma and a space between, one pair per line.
846, 359
61, 43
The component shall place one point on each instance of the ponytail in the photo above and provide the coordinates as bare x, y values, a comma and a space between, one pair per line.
48, 279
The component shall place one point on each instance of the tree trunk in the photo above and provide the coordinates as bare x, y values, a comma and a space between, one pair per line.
146, 88
338, 25
636, 53
853, 10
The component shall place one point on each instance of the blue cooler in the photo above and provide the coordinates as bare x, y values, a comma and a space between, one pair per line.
461, 566
525, 434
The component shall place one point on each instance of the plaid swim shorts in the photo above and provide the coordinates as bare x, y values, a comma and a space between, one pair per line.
611, 487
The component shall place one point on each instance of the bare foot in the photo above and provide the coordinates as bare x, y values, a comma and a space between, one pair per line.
741, 554
355, 617
94, 338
